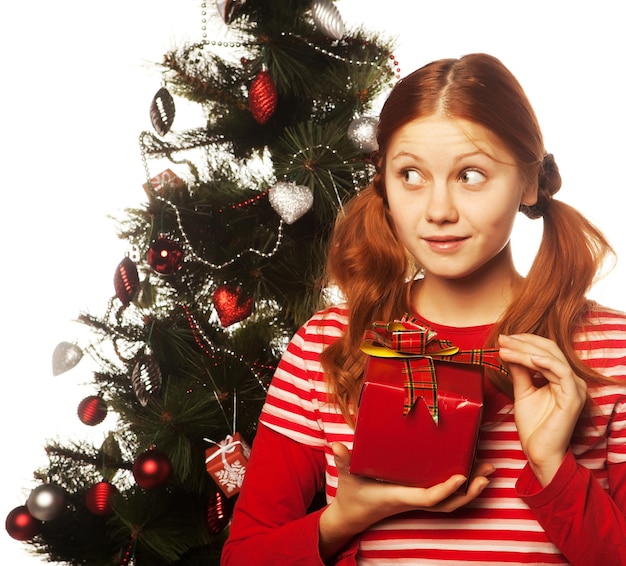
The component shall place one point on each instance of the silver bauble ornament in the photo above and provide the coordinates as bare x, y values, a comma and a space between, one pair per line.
65, 357
46, 502
290, 201
362, 133
328, 19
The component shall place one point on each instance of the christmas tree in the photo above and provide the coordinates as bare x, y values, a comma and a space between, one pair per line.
225, 261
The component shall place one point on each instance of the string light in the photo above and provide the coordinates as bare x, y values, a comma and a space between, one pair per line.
238, 45
343, 59
205, 344
233, 259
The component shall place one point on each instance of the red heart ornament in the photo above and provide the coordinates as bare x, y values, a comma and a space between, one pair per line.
230, 305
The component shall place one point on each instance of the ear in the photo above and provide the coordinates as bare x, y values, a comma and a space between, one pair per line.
529, 195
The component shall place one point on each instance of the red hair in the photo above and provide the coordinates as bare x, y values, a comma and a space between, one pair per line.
370, 266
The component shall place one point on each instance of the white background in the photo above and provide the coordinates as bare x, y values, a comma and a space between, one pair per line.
77, 82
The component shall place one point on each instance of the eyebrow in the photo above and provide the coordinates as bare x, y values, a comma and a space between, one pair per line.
458, 158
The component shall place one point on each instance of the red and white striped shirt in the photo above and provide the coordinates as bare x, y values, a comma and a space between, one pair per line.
577, 519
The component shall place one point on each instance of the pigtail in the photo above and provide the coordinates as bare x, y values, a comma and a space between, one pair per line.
553, 300
369, 265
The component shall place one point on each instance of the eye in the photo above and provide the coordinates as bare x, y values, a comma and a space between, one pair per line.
412, 176
471, 177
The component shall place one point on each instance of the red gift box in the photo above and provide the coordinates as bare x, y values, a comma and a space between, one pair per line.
164, 181
227, 461
420, 407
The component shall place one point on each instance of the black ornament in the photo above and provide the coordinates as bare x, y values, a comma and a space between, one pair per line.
162, 111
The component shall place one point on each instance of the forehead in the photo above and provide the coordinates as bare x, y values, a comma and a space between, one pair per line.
440, 133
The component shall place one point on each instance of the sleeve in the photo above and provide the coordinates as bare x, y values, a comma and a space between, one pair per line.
290, 406
270, 522
584, 520
582, 514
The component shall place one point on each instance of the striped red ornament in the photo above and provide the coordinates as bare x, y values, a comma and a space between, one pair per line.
92, 410
98, 498
262, 97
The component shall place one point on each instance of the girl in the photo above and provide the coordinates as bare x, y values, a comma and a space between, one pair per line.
460, 153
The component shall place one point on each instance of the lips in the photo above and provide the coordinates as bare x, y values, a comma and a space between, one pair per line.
445, 243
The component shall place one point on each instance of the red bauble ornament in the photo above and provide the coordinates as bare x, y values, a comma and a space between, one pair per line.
152, 469
21, 525
126, 281
92, 410
98, 498
165, 256
230, 305
262, 97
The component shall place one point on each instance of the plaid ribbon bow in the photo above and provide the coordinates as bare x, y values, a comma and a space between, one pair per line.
418, 347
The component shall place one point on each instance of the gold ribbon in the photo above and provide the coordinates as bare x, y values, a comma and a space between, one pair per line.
418, 347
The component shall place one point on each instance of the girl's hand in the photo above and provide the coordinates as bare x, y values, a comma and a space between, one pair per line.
546, 412
360, 502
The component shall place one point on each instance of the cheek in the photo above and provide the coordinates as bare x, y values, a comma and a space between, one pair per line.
403, 206
403, 215
495, 219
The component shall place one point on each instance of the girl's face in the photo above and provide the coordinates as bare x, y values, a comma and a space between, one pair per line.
453, 191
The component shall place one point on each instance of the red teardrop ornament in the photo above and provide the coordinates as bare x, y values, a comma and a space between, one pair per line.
262, 97
126, 281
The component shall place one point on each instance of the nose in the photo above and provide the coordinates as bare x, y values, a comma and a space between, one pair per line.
440, 205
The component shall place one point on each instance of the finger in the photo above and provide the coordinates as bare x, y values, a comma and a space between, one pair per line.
521, 379
557, 372
433, 496
455, 500
475, 488
342, 455
532, 343
517, 351
484, 469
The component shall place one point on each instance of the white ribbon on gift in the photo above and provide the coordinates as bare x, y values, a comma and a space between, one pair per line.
226, 446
